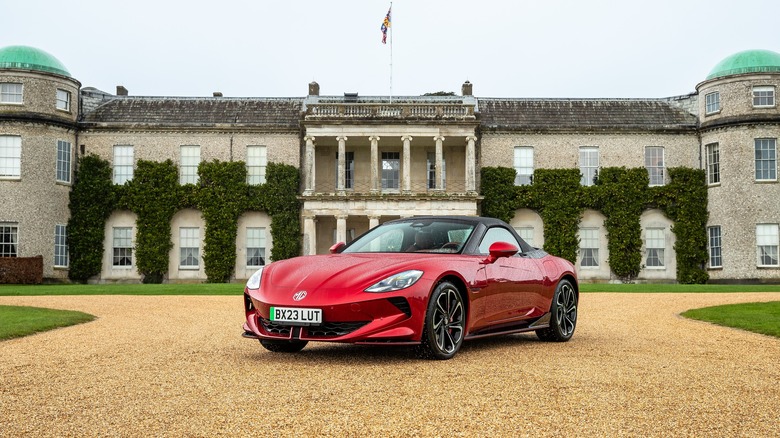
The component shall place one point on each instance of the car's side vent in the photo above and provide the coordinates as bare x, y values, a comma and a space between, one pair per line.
401, 304
248, 303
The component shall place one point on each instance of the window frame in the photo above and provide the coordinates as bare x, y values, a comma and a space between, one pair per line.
712, 103
61, 253
713, 167
524, 171
661, 168
527, 234
259, 239
593, 250
121, 247
191, 251
587, 178
349, 170
430, 163
657, 255
256, 164
63, 167
188, 172
4, 93
386, 160
715, 245
11, 154
9, 239
123, 166
775, 235
65, 101
758, 97
769, 169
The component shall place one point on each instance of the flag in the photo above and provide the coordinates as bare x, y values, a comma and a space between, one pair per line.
385, 25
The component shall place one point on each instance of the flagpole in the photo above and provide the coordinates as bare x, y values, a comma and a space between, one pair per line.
391, 57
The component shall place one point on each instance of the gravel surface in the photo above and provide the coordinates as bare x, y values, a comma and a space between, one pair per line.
177, 366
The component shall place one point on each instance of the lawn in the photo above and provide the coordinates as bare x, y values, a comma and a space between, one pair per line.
761, 318
23, 321
238, 288
123, 289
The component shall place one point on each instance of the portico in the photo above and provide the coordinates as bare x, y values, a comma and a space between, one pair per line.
367, 160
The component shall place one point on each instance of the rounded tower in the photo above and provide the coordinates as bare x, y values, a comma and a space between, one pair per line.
739, 127
39, 105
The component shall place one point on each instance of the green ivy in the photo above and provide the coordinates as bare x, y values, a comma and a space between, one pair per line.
155, 196
91, 202
621, 195
222, 199
280, 200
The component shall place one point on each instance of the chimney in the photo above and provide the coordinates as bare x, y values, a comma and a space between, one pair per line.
121, 90
314, 89
466, 89
217, 94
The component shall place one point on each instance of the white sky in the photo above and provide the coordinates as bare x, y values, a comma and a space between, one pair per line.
541, 48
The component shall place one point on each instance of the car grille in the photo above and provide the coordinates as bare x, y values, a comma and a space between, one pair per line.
275, 329
333, 329
325, 330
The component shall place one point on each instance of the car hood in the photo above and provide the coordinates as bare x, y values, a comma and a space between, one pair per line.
342, 272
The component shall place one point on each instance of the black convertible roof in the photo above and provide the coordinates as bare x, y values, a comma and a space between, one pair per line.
487, 221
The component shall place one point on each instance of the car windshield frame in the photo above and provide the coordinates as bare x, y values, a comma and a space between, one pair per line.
429, 235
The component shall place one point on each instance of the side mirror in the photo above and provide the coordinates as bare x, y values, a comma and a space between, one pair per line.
337, 247
500, 249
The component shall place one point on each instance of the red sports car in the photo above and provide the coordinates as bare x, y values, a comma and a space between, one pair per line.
431, 282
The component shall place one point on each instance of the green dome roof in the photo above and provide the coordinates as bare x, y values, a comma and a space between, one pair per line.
30, 58
749, 61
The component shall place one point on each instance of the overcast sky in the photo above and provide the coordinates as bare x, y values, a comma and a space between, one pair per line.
542, 48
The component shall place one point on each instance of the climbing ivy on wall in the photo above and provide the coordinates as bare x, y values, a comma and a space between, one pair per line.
621, 195
154, 195
91, 202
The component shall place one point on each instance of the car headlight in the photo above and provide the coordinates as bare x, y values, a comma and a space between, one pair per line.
399, 281
254, 280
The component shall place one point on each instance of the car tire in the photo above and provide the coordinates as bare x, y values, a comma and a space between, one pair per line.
283, 346
445, 323
563, 314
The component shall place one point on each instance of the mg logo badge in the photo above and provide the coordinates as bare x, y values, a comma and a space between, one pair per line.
301, 294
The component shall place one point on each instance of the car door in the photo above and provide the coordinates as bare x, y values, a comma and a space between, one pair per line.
511, 282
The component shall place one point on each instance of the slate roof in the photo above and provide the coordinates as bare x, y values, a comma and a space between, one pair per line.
183, 112
583, 115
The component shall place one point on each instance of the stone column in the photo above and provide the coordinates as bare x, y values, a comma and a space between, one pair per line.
471, 164
342, 170
341, 228
406, 178
373, 222
439, 155
374, 163
308, 158
309, 234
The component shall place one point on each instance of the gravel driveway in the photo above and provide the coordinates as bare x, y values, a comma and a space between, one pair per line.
178, 366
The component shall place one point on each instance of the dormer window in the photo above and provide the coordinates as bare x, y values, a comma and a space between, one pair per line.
763, 96
63, 100
11, 93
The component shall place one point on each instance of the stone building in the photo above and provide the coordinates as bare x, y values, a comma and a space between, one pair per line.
364, 160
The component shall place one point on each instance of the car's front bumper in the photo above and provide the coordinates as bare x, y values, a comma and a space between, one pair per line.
380, 319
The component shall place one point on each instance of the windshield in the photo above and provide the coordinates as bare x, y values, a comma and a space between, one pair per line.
432, 236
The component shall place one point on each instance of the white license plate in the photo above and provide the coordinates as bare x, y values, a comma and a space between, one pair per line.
296, 315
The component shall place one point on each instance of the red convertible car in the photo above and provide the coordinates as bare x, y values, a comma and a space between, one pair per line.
431, 282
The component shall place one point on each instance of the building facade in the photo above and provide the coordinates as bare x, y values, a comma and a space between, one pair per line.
366, 160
